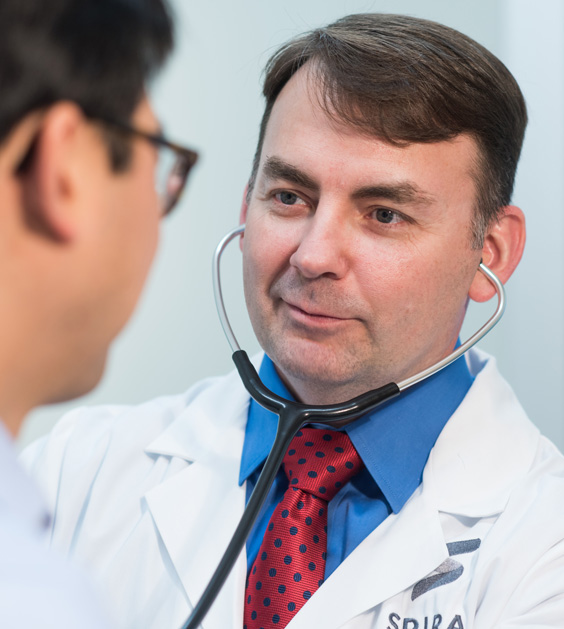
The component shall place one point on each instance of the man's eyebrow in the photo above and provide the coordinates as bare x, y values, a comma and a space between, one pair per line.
404, 192
276, 168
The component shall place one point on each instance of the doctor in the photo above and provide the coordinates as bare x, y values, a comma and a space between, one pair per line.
383, 174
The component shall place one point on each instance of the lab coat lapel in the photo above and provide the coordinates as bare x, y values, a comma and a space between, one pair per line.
486, 447
197, 510
405, 548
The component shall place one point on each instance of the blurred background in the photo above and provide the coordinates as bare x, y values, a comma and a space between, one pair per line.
209, 98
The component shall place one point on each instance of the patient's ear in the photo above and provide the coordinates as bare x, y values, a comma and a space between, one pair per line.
502, 251
51, 175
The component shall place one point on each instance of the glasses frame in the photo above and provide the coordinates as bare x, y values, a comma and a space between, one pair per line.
185, 157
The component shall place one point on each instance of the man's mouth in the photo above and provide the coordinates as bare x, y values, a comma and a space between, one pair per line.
306, 312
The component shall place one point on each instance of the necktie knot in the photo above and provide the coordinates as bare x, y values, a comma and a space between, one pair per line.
320, 462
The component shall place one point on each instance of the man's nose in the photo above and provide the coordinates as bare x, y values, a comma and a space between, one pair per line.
322, 249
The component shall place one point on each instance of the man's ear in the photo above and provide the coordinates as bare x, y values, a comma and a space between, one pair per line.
50, 180
243, 213
502, 251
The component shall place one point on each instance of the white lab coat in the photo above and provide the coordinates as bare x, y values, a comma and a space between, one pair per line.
148, 496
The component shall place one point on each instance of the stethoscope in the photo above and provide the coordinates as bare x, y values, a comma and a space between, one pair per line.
294, 415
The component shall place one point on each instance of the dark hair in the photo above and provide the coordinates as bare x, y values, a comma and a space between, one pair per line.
96, 53
406, 80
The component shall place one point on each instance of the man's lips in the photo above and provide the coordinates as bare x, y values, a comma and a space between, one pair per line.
313, 313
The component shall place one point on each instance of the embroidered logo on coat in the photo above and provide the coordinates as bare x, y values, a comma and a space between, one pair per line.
450, 570
435, 622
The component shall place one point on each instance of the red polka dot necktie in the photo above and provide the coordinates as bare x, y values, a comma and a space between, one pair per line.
290, 563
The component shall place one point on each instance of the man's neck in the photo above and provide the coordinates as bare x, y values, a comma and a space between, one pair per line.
25, 369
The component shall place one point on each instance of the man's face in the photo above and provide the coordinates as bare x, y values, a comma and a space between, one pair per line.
118, 246
357, 254
134, 202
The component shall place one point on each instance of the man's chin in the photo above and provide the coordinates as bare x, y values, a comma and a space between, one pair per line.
322, 379
82, 381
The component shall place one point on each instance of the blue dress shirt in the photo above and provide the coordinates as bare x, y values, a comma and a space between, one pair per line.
394, 443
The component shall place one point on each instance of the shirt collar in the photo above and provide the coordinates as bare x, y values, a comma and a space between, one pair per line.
19, 497
394, 441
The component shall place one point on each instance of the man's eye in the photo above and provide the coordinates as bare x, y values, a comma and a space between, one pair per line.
287, 198
386, 216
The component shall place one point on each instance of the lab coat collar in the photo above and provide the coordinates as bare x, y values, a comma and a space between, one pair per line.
486, 447
19, 496
192, 436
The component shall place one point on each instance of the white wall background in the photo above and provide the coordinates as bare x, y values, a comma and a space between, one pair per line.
209, 98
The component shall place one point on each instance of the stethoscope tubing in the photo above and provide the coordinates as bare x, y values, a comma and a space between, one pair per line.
295, 415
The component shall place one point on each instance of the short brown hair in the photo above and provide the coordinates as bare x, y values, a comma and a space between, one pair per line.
405, 80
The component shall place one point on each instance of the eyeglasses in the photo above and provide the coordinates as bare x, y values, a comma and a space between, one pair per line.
173, 165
